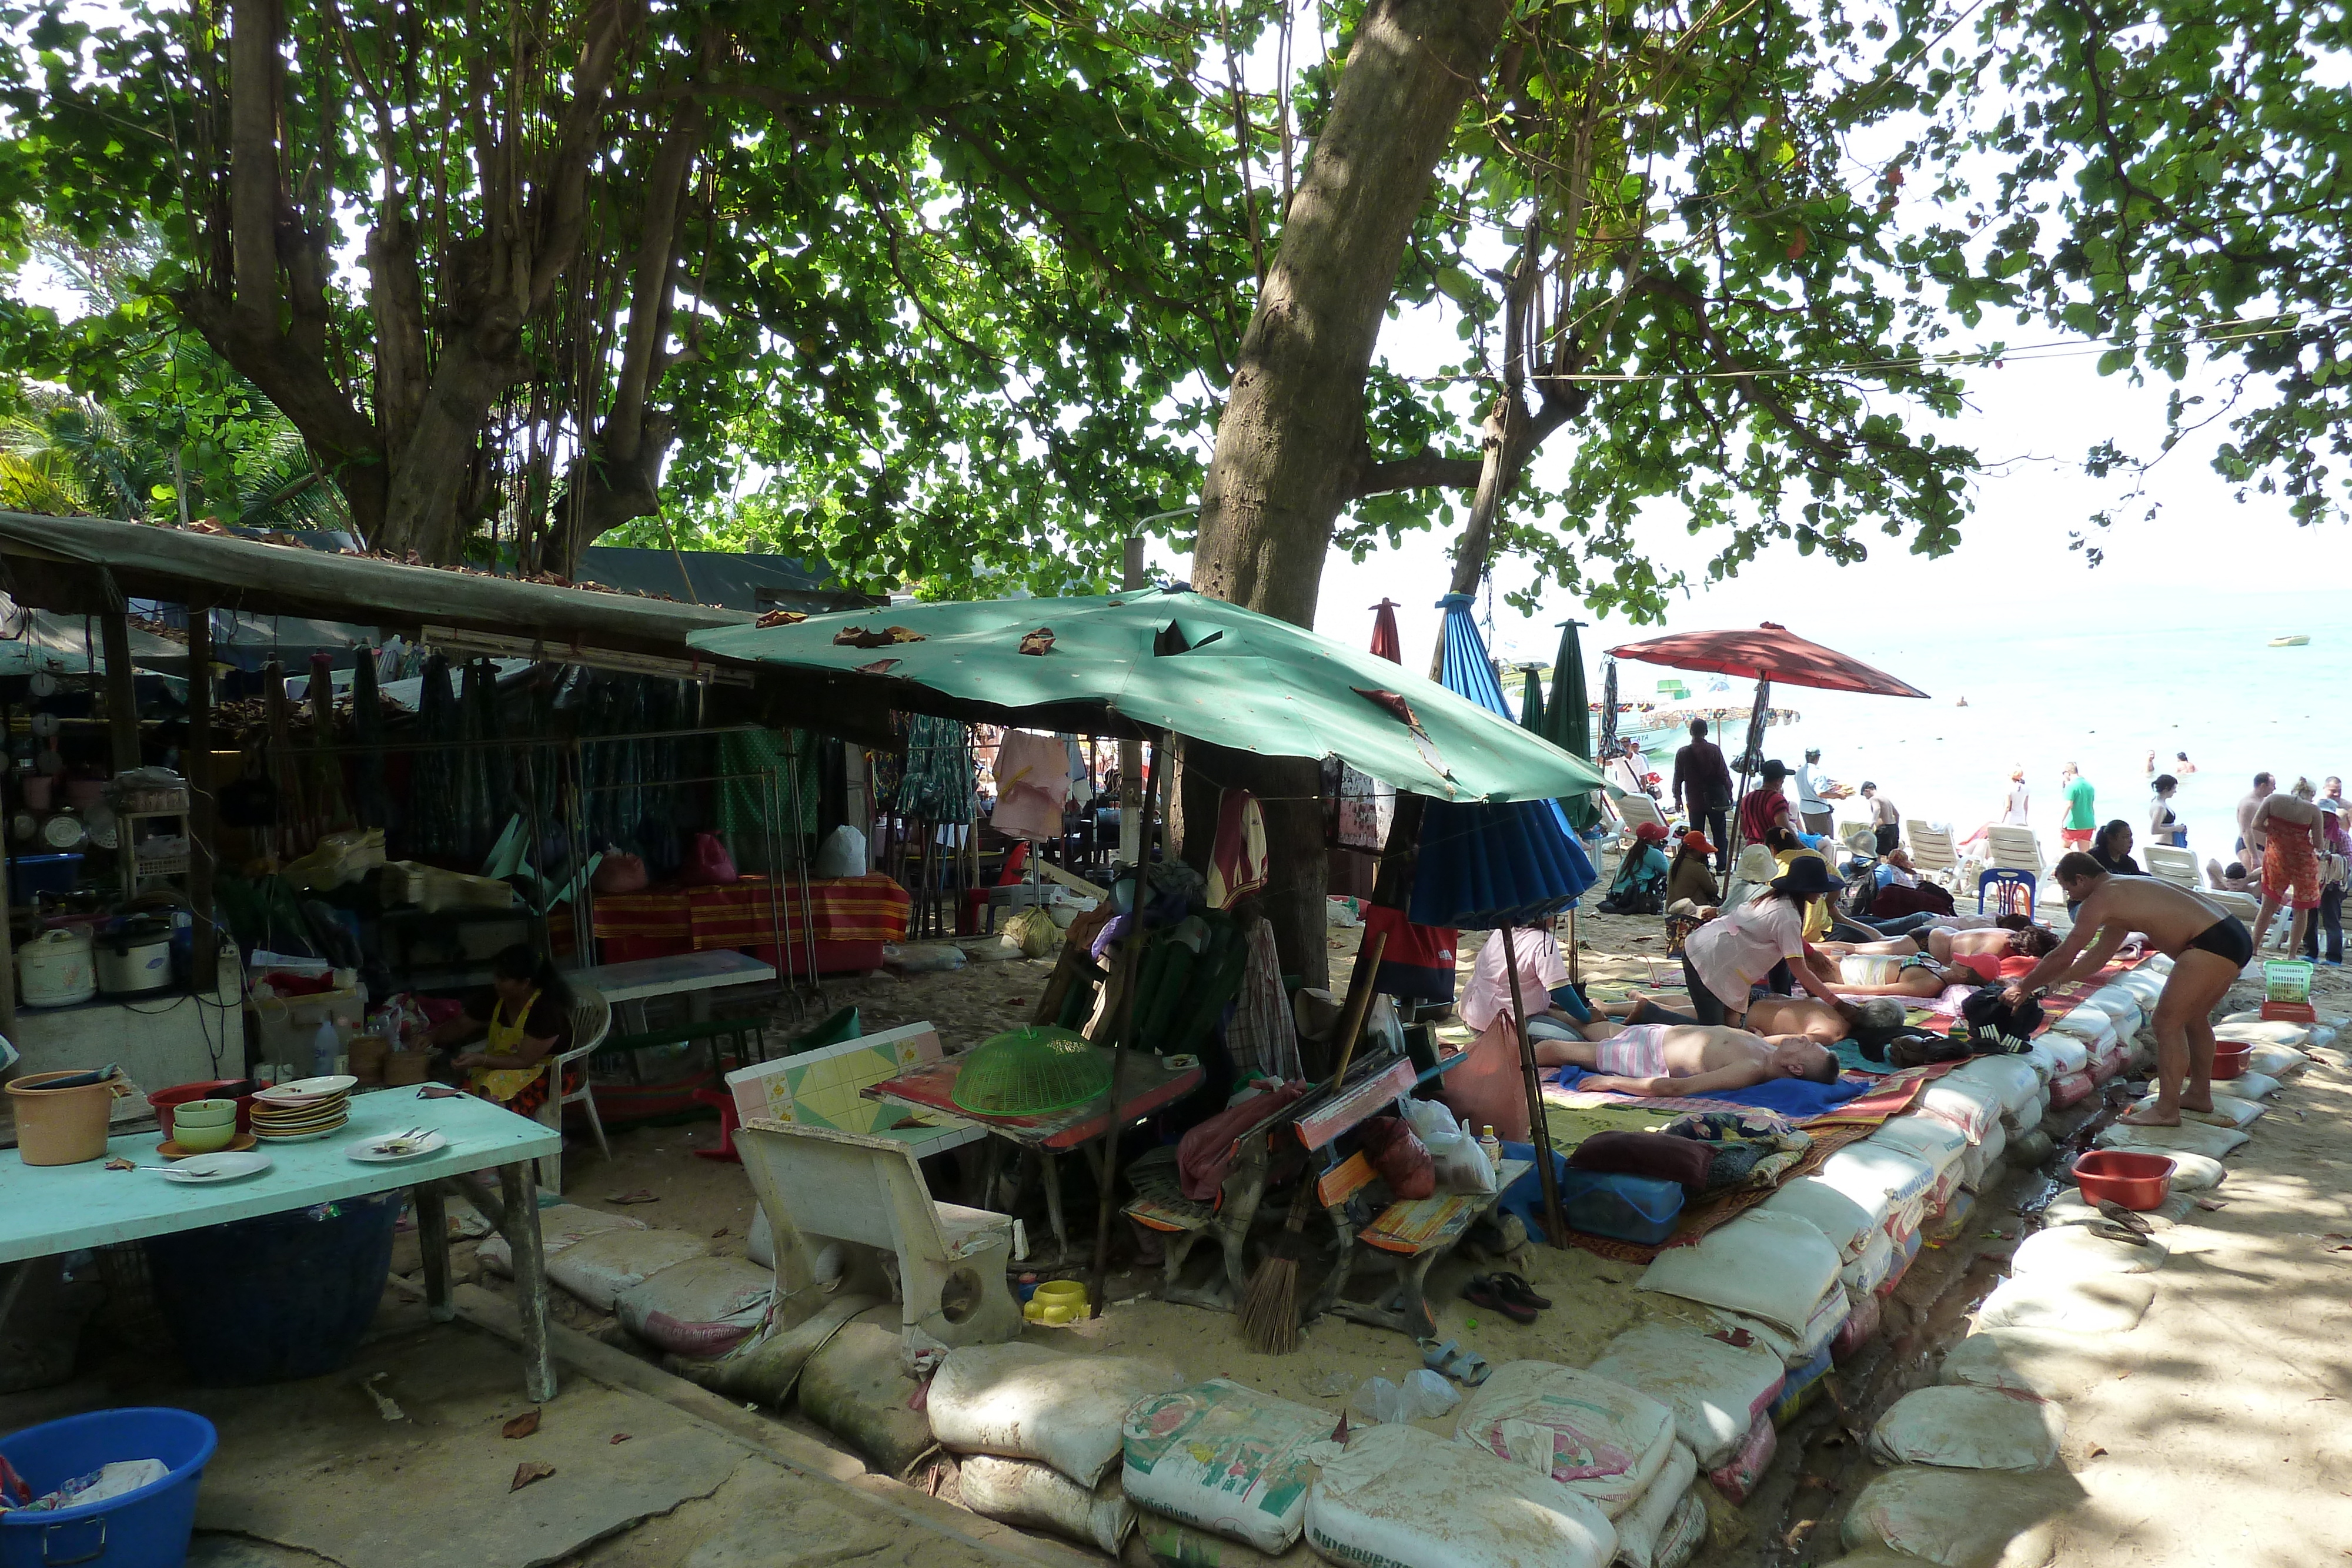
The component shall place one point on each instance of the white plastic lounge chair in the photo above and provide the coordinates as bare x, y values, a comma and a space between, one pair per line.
2015, 848
1931, 850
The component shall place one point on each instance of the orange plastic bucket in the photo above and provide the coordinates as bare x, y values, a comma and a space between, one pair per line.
62, 1126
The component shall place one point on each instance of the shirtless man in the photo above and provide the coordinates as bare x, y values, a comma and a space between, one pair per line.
1980, 951
1775, 1017
1920, 977
2209, 947
1685, 1059
2250, 833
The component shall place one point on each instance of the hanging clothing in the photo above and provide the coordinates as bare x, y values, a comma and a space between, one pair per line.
1417, 962
935, 780
1033, 781
1238, 865
1262, 1038
1082, 780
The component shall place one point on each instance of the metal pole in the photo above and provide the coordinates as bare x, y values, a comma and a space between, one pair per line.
203, 812
1130, 752
1538, 1130
1131, 965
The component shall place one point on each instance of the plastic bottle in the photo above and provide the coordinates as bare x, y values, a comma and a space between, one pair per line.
1492, 1145
325, 1046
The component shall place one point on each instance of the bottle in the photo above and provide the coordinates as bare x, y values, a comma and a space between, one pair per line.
1492, 1145
325, 1046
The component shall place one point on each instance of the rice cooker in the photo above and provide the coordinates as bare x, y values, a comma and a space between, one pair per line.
135, 957
54, 970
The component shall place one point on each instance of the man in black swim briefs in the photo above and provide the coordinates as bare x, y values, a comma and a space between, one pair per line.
2210, 947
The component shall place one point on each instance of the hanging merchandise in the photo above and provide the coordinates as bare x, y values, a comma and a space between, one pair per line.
1261, 1038
1238, 865
935, 780
376, 808
1032, 782
1082, 780
782, 785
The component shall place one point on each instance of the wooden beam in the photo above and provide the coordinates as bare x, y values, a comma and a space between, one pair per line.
1070, 880
121, 701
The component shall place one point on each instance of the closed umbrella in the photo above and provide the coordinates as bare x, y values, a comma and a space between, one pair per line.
1386, 643
1531, 703
1567, 722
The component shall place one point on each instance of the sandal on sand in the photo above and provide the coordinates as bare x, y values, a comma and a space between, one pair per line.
1515, 1288
1483, 1290
1466, 1367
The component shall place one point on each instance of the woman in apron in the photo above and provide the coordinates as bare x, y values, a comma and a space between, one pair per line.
522, 1020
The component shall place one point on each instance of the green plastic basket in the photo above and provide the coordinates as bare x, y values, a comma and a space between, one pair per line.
1031, 1071
2287, 980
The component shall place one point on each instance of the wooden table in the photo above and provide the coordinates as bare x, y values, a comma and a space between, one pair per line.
1147, 1085
45, 1210
693, 976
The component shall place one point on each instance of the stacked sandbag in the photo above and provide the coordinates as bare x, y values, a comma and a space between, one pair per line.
1847, 1224
1972, 1108
598, 1258
1605, 1442
1396, 1494
2012, 1081
2078, 1252
1968, 1428
1775, 1270
2052, 1365
1939, 1146
1054, 1427
2189, 1137
1226, 1460
700, 1308
1883, 1173
560, 1225
2071, 1207
2108, 1304
1958, 1519
1715, 1390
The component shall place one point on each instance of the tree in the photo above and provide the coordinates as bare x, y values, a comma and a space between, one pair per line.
927, 280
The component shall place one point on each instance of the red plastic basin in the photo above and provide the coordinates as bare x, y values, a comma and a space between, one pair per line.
2118, 1175
164, 1099
2230, 1061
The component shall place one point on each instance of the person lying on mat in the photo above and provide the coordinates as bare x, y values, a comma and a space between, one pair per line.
2209, 946
1825, 1023
1686, 1059
1920, 977
1981, 951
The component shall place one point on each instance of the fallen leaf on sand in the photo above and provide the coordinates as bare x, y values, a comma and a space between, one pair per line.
522, 1425
639, 1195
528, 1471
2093, 1452
621, 1437
722, 1230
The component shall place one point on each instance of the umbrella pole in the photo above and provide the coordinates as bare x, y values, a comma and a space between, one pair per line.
1538, 1130
1750, 753
1130, 965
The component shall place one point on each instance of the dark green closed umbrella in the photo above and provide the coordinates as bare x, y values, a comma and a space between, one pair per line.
1531, 703
1567, 722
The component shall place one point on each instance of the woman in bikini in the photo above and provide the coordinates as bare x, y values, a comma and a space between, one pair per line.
1979, 951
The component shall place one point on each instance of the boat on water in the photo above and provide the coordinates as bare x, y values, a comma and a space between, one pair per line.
2297, 641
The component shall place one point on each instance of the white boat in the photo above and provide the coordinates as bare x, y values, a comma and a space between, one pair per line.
2297, 641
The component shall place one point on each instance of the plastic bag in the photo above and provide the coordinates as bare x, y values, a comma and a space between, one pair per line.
843, 853
1032, 931
1401, 1158
707, 863
923, 957
617, 873
1462, 1164
1422, 1394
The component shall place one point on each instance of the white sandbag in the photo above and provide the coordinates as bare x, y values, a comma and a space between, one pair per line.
1967, 1428
1607, 1442
2192, 1173
1869, 1271
2094, 1028
1939, 1146
1401, 1496
1025, 1401
2112, 1303
1970, 1107
2071, 1207
1959, 1519
597, 1269
1227, 1458
1884, 1175
2189, 1137
1795, 1348
2255, 1030
1027, 1492
1848, 1224
2119, 1004
560, 1225
702, 1308
2229, 1110
2028, 1361
1715, 1390
2006, 1076
1685, 1533
2278, 1061
2253, 1085
1641, 1525
2076, 1253
1770, 1266
2059, 1052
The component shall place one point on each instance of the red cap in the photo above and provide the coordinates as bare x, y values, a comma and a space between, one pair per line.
1651, 833
1697, 842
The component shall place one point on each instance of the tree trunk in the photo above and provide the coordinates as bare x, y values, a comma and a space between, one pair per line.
1292, 430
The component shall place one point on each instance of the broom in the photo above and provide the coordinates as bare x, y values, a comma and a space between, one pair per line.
1270, 1307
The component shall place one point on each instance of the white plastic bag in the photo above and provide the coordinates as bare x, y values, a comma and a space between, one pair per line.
1227, 1458
1715, 1390
1971, 1429
1605, 1440
1025, 1401
1423, 1396
1025, 1492
1400, 1497
1462, 1164
843, 853
1770, 1266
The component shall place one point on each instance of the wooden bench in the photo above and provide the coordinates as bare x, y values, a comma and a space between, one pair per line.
1413, 1235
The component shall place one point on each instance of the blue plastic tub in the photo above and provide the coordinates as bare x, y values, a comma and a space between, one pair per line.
276, 1298
29, 874
1637, 1208
145, 1529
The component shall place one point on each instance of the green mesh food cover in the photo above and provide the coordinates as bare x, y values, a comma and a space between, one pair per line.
1031, 1070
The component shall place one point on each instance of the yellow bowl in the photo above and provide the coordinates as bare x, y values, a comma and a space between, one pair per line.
1034, 1310
202, 1140
1067, 1293
1059, 1313
204, 1114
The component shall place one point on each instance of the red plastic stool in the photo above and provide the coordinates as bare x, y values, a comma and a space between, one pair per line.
724, 1103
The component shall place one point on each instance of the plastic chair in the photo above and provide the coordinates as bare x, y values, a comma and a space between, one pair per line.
2011, 881
592, 1020
975, 899
2014, 847
1932, 853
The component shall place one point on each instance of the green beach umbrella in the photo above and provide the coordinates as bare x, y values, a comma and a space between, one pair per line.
1568, 723
1148, 661
1531, 703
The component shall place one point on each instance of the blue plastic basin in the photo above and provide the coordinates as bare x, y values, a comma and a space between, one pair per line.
145, 1529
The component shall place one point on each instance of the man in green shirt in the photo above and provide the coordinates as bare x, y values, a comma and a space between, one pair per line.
2081, 810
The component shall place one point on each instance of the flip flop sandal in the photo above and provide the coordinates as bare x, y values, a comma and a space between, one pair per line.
1466, 1367
1515, 1288
1483, 1291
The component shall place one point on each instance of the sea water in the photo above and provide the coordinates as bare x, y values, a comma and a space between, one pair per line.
2181, 672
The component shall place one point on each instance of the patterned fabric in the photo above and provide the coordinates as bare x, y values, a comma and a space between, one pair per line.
1733, 1126
869, 908
935, 779
746, 804
1261, 1038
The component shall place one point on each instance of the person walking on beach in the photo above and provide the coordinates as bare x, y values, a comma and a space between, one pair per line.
2163, 827
2249, 840
1885, 819
2082, 819
2209, 946
1701, 788
2290, 828
2338, 847
1815, 796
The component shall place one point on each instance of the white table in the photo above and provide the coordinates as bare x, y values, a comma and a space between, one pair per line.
693, 976
48, 1210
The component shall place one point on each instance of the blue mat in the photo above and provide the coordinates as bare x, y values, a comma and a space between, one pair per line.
1795, 1098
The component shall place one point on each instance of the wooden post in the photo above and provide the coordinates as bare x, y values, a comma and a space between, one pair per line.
518, 1196
1123, 1025
1538, 1130
121, 702
204, 807
432, 1242
1130, 752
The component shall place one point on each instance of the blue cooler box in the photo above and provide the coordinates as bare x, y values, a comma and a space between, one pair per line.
1637, 1208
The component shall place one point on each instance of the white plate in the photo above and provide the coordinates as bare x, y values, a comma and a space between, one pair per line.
306, 1088
201, 1169
268, 1137
366, 1151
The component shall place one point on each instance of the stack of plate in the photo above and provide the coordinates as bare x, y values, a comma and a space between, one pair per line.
304, 1109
